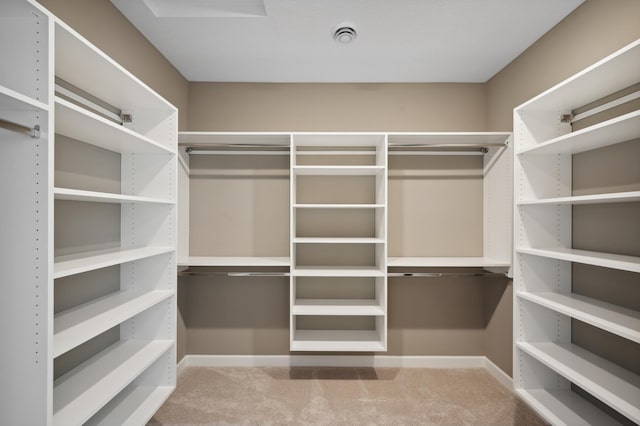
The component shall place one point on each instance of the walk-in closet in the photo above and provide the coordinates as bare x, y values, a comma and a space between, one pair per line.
267, 212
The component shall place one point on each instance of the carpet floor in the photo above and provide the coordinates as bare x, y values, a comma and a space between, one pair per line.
341, 396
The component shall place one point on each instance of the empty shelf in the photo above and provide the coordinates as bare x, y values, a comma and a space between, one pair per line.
102, 76
339, 170
444, 262
338, 271
103, 197
11, 100
77, 325
610, 132
606, 260
135, 405
337, 307
614, 319
214, 139
234, 261
608, 382
616, 197
78, 123
337, 340
315, 240
83, 391
565, 407
89, 261
338, 206
448, 138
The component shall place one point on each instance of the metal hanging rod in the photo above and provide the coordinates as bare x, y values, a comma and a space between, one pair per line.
33, 132
479, 151
231, 145
442, 149
188, 273
227, 152
87, 100
611, 101
240, 149
446, 274
444, 145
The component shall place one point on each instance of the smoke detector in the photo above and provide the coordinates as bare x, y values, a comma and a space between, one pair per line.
344, 33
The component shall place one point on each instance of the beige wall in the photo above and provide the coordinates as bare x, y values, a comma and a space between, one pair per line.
103, 25
593, 31
251, 316
336, 107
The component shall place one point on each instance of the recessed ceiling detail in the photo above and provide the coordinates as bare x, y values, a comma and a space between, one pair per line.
206, 8
406, 40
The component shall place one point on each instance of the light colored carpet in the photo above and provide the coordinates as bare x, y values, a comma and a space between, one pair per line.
341, 396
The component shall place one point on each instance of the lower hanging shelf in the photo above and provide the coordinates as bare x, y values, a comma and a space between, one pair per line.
135, 405
565, 407
83, 391
337, 340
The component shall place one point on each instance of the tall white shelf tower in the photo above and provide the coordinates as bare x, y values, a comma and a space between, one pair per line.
108, 359
548, 365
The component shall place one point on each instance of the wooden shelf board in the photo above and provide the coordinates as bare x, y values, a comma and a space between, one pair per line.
10, 100
318, 240
83, 391
103, 197
89, 261
338, 206
601, 79
444, 262
234, 261
337, 340
614, 319
607, 260
135, 405
608, 382
340, 139
102, 76
448, 138
77, 325
338, 271
565, 407
615, 197
225, 138
610, 132
338, 170
78, 123
367, 307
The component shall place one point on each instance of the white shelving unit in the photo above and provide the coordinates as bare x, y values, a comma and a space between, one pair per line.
235, 261
548, 365
327, 170
54, 378
496, 150
25, 218
318, 157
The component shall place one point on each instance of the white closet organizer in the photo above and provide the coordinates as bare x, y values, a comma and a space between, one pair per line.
332, 175
547, 363
338, 223
229, 144
496, 188
107, 358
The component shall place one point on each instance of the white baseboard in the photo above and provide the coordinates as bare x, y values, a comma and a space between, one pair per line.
184, 363
333, 361
346, 361
502, 377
